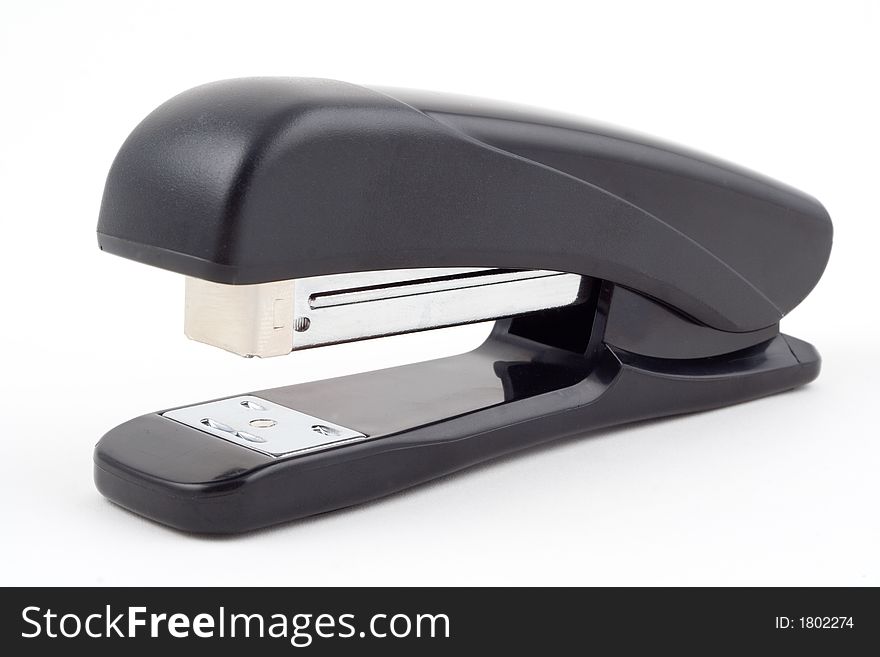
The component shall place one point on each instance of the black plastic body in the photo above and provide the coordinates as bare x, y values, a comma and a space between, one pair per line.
689, 264
254, 180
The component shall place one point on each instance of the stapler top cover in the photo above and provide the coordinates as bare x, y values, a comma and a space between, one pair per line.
257, 180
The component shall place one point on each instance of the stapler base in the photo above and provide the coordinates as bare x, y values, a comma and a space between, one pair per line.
420, 422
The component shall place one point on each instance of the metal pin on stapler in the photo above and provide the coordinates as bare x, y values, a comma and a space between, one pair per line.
628, 279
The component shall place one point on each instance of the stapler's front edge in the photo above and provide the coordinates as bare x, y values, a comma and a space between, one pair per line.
629, 280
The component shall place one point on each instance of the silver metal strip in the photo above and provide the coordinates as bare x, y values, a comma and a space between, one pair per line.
261, 425
442, 283
275, 318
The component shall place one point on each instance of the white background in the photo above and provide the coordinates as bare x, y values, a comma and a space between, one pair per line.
778, 491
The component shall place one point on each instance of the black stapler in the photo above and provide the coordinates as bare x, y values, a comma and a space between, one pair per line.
630, 279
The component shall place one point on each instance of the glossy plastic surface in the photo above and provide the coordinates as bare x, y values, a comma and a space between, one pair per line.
429, 419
